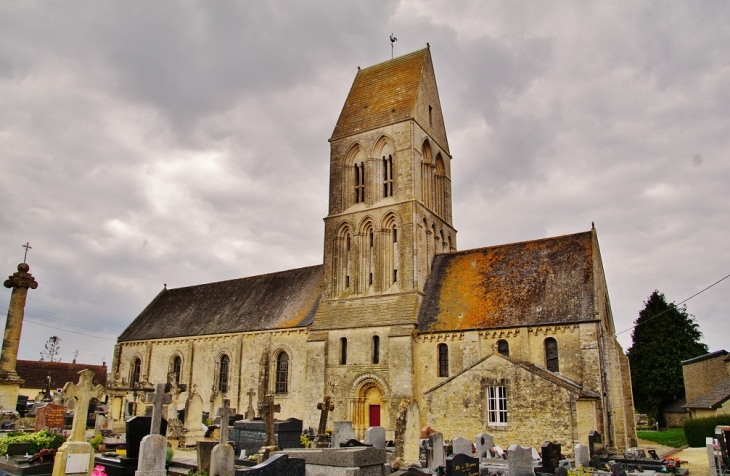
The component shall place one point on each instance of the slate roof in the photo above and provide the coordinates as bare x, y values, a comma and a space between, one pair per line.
35, 373
719, 394
386, 92
547, 281
287, 299
711, 355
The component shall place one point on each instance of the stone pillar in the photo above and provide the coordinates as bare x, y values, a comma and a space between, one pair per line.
9, 380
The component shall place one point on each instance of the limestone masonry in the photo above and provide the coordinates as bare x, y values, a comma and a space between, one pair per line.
396, 325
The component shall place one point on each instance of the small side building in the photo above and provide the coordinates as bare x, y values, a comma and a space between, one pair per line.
36, 375
707, 384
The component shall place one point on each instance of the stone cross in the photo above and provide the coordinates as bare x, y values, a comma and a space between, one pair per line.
267, 410
326, 407
83, 392
157, 399
250, 412
225, 413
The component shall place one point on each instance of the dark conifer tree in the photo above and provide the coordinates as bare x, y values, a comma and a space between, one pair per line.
664, 336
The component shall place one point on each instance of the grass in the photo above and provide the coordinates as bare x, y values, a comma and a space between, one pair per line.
674, 437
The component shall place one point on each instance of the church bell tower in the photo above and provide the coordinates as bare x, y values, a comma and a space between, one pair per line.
390, 196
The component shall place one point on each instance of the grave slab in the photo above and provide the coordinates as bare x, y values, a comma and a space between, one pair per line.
375, 435
582, 456
343, 432
484, 442
462, 465
152, 451
276, 465
436, 452
519, 460
461, 446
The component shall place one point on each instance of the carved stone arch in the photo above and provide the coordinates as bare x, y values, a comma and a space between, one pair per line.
354, 176
342, 253
427, 175
383, 146
368, 241
136, 356
281, 360
369, 399
171, 367
384, 167
426, 152
218, 385
391, 218
365, 222
390, 250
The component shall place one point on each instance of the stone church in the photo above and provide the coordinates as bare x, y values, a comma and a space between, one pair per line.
515, 340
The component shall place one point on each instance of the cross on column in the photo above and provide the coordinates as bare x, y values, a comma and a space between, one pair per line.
157, 399
83, 392
225, 413
250, 412
27, 247
267, 410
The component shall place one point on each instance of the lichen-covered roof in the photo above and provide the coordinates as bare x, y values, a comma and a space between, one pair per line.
547, 281
382, 95
719, 394
283, 300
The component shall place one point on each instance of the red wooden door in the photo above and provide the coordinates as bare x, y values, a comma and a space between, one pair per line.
374, 415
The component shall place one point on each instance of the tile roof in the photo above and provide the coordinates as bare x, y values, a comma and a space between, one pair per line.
35, 373
547, 281
382, 94
719, 394
287, 299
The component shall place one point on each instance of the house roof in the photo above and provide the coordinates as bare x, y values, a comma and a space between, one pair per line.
35, 373
541, 282
711, 355
287, 299
383, 94
719, 394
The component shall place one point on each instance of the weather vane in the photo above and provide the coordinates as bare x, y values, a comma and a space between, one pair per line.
393, 39
27, 247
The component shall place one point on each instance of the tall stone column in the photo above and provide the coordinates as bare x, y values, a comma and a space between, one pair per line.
9, 380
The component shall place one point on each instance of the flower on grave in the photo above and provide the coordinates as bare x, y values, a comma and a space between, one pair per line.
99, 470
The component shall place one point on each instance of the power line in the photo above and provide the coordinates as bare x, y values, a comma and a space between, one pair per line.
675, 305
66, 330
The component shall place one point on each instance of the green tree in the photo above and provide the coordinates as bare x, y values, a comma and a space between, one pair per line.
664, 335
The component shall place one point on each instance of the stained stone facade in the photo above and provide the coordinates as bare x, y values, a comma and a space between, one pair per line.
515, 340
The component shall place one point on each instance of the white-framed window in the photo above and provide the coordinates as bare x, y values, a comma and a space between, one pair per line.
497, 406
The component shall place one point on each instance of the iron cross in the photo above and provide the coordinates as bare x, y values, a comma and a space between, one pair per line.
27, 247
157, 398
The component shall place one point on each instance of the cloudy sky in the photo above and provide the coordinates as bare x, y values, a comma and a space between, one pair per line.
144, 143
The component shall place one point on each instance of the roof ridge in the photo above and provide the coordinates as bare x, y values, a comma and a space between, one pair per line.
503, 245
272, 273
397, 58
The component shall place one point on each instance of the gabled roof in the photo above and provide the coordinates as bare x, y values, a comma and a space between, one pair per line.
719, 394
711, 355
283, 300
382, 95
541, 372
35, 373
541, 282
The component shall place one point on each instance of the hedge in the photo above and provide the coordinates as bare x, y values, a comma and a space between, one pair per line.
697, 429
37, 441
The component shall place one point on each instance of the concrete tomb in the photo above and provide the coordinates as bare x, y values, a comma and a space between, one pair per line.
342, 433
519, 460
361, 461
375, 435
461, 446
276, 465
436, 451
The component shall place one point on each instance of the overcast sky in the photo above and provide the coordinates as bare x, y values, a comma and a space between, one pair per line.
144, 143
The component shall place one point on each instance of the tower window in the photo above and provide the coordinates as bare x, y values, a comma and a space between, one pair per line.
347, 281
503, 347
343, 351
551, 355
395, 275
370, 279
136, 370
388, 176
282, 373
430, 115
443, 351
376, 349
360, 183
223, 374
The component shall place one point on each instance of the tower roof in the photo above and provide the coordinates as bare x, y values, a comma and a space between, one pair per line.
383, 94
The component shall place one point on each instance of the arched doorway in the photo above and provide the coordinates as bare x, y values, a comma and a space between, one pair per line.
369, 405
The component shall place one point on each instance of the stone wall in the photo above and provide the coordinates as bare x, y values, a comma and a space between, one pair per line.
701, 376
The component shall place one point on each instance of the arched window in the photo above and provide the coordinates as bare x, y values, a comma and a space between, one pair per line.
282, 373
135, 370
551, 355
443, 351
503, 347
342, 247
388, 176
426, 175
438, 186
376, 349
176, 367
223, 374
343, 351
359, 170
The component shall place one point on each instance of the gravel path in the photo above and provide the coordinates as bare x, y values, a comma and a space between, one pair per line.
696, 458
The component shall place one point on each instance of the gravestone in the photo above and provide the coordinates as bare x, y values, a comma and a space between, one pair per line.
461, 446
462, 465
203, 450
193, 426
617, 469
76, 455
653, 455
267, 411
325, 407
519, 460
484, 442
250, 411
49, 416
341, 462
595, 444
250, 435
153, 447
412, 435
222, 457
436, 452
561, 471
136, 429
582, 456
276, 465
375, 435
550, 456
712, 456
343, 432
